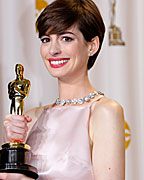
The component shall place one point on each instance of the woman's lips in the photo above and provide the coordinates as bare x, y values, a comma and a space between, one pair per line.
58, 62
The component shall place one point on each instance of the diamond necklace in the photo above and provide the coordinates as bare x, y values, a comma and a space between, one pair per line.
78, 101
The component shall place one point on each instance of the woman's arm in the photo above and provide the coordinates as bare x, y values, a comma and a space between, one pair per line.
17, 127
108, 138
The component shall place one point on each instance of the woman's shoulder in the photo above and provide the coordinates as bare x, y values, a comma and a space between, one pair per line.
106, 113
106, 105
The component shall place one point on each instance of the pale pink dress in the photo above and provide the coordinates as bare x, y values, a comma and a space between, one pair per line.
60, 144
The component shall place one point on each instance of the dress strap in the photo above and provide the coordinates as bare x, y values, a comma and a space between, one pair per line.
96, 100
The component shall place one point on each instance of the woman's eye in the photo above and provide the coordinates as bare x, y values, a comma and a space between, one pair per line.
45, 40
67, 39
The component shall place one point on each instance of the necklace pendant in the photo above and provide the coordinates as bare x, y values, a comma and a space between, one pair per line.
81, 101
68, 101
87, 99
99, 92
74, 101
57, 101
63, 102
91, 95
96, 93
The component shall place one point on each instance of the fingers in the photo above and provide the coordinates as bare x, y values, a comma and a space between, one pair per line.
13, 176
3, 176
28, 119
15, 122
16, 127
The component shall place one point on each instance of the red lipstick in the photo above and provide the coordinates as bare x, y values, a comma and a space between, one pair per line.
58, 62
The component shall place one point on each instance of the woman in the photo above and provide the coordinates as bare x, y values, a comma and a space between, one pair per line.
81, 135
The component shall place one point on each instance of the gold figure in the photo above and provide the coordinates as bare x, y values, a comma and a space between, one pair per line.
113, 5
18, 89
127, 135
14, 156
115, 34
40, 5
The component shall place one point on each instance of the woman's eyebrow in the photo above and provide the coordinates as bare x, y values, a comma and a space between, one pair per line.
62, 33
44, 35
67, 32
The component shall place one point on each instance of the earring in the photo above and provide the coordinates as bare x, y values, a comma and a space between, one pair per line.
91, 54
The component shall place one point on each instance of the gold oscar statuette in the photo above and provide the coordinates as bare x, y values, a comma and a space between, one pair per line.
115, 34
14, 156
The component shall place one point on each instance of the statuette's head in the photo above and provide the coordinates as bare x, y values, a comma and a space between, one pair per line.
19, 69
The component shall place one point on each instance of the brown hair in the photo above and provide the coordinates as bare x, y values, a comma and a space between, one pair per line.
62, 14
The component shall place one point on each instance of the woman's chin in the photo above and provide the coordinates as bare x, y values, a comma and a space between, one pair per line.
57, 74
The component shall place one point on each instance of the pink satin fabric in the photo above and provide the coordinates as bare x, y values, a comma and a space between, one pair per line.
60, 144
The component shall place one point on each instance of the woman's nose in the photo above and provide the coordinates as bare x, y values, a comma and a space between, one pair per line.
54, 48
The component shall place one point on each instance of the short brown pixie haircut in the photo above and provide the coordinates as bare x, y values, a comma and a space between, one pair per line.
62, 14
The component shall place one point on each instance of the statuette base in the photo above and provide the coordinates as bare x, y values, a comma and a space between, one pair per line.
14, 158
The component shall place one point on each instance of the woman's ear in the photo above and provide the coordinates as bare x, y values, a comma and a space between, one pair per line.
94, 45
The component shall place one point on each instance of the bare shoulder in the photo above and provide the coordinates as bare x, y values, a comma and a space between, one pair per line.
106, 114
106, 105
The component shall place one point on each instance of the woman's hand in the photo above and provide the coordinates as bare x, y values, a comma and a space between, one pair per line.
15, 127
13, 176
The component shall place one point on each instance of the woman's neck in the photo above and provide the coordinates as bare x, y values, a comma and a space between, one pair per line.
74, 89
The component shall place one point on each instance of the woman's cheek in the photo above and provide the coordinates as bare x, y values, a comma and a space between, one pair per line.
43, 51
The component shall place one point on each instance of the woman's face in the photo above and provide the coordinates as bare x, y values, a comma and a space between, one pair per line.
65, 55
